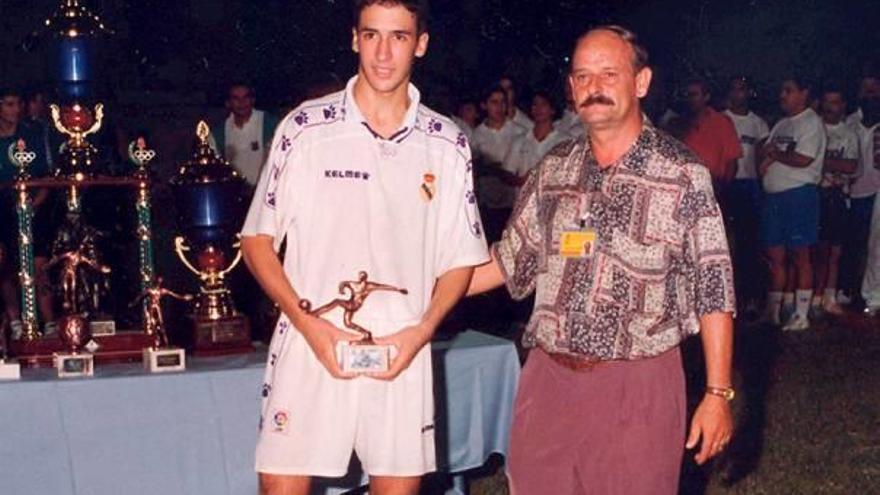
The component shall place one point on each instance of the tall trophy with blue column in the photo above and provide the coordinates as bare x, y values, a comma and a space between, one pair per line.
210, 206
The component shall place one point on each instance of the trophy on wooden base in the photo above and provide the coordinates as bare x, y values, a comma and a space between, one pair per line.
362, 356
74, 332
208, 193
160, 356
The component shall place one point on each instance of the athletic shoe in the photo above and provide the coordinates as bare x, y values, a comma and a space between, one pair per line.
796, 323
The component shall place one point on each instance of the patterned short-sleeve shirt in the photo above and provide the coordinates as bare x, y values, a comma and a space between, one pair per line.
660, 259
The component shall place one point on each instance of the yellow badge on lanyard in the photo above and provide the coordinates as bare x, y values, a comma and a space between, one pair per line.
577, 243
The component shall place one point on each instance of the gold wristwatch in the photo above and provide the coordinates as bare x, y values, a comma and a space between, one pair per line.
725, 393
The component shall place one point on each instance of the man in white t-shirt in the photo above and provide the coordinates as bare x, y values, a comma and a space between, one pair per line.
744, 195
791, 168
841, 166
246, 132
528, 150
363, 180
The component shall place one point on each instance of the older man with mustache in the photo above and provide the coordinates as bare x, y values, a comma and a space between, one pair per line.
621, 239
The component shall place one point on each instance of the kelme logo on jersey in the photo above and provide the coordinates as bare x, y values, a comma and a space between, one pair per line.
346, 174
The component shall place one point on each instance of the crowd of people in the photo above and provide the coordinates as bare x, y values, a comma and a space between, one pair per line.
797, 196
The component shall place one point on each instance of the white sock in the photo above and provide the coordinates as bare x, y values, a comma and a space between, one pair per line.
788, 298
774, 305
830, 297
802, 307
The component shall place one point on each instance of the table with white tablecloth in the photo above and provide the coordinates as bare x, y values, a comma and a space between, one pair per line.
193, 433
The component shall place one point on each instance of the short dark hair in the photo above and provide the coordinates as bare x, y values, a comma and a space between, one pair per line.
803, 83
241, 83
640, 53
540, 93
10, 91
418, 8
833, 87
491, 90
702, 82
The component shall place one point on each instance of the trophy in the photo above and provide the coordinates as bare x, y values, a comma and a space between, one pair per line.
160, 356
208, 194
74, 332
362, 356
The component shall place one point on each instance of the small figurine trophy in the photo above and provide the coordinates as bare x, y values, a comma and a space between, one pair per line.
363, 356
160, 356
73, 327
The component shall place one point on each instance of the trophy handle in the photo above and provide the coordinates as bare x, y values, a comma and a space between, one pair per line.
56, 119
180, 248
235, 261
99, 119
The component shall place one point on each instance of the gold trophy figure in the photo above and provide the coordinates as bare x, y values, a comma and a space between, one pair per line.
71, 261
160, 356
363, 355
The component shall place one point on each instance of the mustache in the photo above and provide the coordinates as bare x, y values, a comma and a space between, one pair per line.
597, 99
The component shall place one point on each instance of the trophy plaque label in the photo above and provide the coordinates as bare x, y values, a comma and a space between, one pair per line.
9, 370
102, 327
163, 360
74, 365
360, 358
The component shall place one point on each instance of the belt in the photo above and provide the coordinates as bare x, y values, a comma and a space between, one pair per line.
572, 362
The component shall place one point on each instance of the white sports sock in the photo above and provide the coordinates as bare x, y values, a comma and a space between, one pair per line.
802, 308
774, 305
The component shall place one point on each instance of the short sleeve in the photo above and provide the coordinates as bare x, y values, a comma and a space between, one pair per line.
518, 250
810, 139
271, 209
461, 239
706, 252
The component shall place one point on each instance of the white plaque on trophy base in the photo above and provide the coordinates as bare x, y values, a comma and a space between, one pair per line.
364, 358
74, 364
164, 360
102, 327
10, 370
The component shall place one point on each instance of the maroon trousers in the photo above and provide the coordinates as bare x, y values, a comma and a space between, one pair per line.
618, 428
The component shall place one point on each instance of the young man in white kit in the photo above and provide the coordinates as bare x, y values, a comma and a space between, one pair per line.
366, 179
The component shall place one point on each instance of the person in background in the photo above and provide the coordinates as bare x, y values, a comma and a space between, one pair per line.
744, 197
513, 112
712, 136
840, 168
790, 168
243, 137
529, 149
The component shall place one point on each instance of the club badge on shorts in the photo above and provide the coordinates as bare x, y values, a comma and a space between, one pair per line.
428, 188
280, 421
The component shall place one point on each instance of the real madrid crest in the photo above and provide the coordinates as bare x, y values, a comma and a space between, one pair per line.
429, 187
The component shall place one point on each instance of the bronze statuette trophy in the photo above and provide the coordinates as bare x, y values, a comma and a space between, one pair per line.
362, 356
210, 206
160, 356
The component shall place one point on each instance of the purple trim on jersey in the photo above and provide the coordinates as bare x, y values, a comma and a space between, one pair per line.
299, 120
